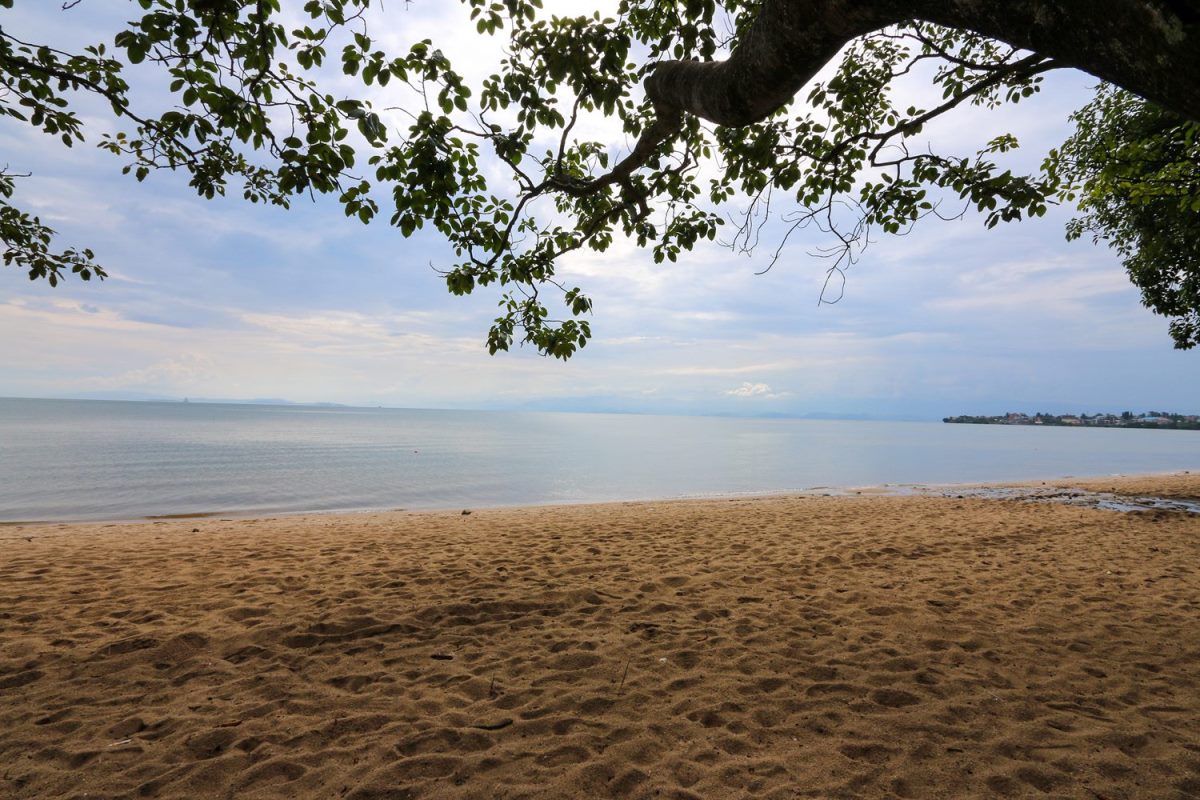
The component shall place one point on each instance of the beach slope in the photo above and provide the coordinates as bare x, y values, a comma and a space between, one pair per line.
853, 647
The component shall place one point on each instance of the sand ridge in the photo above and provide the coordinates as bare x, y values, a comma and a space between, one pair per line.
747, 648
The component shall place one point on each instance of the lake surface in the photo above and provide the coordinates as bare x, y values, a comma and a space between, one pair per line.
80, 460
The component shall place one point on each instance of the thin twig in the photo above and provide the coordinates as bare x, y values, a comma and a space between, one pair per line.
624, 674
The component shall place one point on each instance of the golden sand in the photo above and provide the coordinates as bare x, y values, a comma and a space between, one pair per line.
855, 647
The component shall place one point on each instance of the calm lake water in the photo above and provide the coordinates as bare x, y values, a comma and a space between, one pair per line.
77, 460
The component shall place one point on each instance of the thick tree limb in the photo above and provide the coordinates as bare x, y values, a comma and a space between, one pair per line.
1150, 47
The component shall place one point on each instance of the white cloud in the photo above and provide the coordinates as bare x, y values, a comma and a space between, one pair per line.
756, 390
187, 371
741, 369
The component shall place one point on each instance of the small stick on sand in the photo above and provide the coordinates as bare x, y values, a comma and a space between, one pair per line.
493, 726
624, 674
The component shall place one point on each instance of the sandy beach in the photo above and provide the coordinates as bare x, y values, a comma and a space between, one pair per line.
849, 647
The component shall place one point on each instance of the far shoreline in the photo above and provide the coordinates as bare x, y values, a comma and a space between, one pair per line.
1173, 484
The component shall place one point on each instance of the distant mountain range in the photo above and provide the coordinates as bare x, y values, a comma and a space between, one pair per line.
158, 398
544, 406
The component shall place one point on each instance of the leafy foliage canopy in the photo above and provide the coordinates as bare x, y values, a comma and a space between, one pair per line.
248, 110
1134, 171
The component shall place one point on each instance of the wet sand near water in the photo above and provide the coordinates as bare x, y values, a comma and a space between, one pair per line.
847, 647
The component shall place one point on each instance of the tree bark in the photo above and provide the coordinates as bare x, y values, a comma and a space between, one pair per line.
1150, 47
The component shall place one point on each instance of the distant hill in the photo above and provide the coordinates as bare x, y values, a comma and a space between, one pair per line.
143, 397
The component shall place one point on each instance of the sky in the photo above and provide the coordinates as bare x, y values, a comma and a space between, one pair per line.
223, 299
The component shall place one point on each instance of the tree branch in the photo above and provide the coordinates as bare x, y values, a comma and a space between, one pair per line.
1150, 47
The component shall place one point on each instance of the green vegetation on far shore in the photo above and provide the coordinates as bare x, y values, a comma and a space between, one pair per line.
1127, 419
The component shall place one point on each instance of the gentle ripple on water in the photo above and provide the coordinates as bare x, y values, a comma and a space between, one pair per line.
62, 460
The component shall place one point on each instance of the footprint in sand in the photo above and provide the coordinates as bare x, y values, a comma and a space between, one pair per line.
894, 698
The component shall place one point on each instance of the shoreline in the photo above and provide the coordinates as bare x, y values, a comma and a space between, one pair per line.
1121, 483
